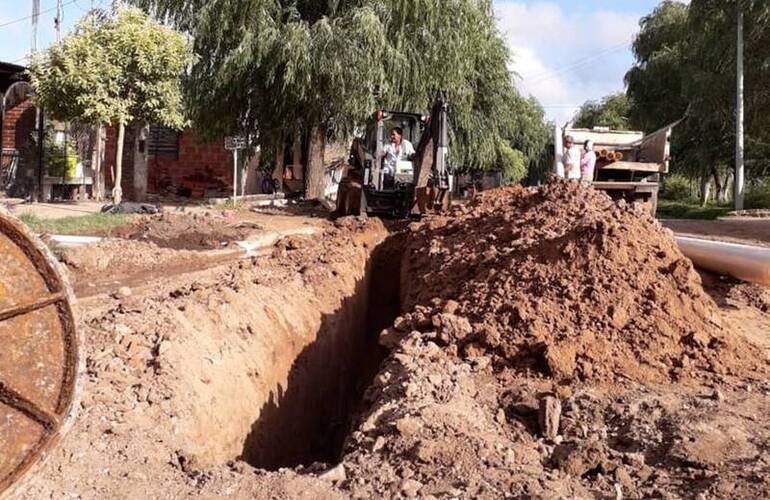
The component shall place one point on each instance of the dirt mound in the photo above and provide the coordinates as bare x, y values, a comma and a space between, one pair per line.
187, 232
563, 281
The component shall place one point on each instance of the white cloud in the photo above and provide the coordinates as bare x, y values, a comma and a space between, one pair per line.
564, 59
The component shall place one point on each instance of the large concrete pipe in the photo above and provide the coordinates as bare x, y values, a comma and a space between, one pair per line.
745, 262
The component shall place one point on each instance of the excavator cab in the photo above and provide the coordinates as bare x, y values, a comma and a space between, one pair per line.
417, 186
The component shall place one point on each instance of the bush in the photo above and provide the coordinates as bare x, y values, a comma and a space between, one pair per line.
513, 164
758, 194
677, 188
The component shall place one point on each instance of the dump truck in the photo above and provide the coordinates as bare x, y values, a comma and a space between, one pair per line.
629, 163
420, 185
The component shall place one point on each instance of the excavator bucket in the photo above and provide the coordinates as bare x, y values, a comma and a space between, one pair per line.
39, 353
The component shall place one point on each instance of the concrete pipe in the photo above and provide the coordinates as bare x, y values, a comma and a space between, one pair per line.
745, 262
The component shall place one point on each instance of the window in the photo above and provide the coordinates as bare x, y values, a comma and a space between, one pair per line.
163, 141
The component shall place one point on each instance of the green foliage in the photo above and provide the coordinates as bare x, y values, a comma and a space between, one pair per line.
612, 111
118, 69
668, 209
685, 68
677, 187
89, 225
758, 194
270, 68
655, 81
60, 160
513, 164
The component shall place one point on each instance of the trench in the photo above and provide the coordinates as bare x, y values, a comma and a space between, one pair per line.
309, 420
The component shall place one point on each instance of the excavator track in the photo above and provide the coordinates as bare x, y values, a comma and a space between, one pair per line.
38, 351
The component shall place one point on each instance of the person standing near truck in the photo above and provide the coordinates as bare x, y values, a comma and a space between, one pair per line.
588, 163
570, 160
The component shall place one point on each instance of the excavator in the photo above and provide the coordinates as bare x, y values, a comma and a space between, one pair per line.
420, 185
39, 355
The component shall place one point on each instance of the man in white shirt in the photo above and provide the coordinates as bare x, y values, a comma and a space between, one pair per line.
399, 149
570, 160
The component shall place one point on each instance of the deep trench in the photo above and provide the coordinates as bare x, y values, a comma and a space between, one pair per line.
310, 420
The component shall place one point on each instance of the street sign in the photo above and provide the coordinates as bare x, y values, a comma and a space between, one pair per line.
235, 142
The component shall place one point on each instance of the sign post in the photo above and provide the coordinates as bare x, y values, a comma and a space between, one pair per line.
234, 143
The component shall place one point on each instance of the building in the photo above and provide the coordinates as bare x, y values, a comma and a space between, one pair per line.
20, 166
165, 162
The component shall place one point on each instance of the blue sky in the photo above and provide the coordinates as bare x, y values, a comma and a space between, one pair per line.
564, 51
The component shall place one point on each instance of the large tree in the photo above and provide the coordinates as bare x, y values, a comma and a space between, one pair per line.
685, 68
612, 111
116, 70
272, 69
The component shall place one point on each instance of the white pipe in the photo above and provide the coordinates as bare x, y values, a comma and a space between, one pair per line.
69, 241
745, 262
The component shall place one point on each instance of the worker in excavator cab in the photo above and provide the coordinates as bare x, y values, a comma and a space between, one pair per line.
399, 149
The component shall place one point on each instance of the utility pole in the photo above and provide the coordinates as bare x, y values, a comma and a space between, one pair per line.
35, 17
739, 160
57, 21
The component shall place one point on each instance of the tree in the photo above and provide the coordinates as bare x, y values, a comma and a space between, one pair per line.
318, 68
116, 70
685, 68
612, 111
655, 82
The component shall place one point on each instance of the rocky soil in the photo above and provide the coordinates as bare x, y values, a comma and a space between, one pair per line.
551, 343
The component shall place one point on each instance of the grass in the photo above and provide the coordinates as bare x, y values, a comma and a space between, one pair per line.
92, 224
668, 209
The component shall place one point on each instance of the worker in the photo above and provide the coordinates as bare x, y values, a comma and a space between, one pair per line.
588, 163
570, 160
399, 149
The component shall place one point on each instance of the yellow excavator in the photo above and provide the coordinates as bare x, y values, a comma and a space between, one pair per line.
417, 186
39, 354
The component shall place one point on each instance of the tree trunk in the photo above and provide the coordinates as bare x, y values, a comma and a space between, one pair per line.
96, 163
724, 191
140, 163
117, 190
705, 190
278, 169
718, 185
315, 181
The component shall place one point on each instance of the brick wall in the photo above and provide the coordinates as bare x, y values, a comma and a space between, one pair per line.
201, 166
18, 125
200, 163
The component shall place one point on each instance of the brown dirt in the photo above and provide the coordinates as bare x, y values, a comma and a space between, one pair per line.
524, 294
509, 302
113, 263
745, 230
565, 282
187, 232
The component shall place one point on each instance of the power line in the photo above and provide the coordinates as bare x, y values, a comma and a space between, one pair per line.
25, 18
576, 64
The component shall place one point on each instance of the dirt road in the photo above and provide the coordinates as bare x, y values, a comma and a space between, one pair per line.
748, 230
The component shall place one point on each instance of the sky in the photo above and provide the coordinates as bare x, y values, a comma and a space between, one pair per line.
564, 52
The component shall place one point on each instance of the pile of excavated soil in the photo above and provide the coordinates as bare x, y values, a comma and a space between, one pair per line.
565, 282
199, 231
544, 335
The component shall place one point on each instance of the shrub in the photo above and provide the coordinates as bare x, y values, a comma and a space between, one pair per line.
676, 187
758, 194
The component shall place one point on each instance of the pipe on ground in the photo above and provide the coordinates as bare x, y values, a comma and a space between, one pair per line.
745, 262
